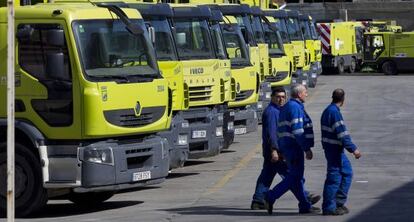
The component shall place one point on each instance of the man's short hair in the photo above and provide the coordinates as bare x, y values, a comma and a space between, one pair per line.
338, 95
277, 90
296, 89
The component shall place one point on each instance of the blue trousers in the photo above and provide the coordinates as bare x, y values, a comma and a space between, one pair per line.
338, 180
266, 177
293, 181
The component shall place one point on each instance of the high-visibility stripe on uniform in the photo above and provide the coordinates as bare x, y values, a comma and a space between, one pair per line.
340, 135
331, 141
285, 134
298, 131
287, 123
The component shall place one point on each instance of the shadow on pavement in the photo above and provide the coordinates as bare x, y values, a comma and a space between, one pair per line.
228, 151
70, 209
196, 162
396, 205
179, 175
231, 211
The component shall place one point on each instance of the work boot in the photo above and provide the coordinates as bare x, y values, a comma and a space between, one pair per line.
336, 212
314, 198
311, 210
268, 205
257, 205
344, 209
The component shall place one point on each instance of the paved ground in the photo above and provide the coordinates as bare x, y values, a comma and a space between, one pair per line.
379, 112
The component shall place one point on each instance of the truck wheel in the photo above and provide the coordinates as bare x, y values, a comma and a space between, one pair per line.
341, 66
90, 199
30, 195
389, 68
353, 66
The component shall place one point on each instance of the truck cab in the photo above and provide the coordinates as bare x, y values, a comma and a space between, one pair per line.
89, 101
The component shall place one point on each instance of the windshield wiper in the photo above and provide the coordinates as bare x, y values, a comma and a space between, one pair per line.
124, 78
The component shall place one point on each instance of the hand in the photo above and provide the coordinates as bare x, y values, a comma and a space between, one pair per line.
357, 154
275, 156
309, 155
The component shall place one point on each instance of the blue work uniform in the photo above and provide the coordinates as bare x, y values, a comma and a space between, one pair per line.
335, 138
295, 134
269, 142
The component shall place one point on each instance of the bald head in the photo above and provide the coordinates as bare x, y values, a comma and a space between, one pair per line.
338, 96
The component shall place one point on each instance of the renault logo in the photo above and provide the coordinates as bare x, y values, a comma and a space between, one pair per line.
238, 88
137, 109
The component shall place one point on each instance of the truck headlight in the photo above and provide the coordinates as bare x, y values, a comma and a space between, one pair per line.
219, 131
260, 105
99, 155
185, 125
182, 140
220, 117
304, 82
230, 126
268, 95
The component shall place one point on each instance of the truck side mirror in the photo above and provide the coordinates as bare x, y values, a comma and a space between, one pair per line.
55, 66
55, 37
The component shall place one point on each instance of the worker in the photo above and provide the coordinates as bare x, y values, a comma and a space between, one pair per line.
293, 142
336, 138
272, 163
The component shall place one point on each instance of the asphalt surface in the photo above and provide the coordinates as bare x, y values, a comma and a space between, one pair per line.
379, 113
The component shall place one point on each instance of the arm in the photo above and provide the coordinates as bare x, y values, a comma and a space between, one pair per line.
272, 131
342, 133
297, 128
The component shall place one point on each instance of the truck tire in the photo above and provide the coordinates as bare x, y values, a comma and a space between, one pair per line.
389, 68
341, 66
352, 68
30, 196
90, 199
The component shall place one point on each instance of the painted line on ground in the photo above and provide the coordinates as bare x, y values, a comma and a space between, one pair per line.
234, 171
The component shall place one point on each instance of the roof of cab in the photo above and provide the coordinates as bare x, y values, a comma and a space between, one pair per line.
72, 11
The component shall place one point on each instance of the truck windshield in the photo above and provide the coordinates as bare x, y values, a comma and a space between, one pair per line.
164, 43
192, 38
258, 29
235, 46
281, 26
218, 41
293, 28
304, 25
315, 35
245, 25
108, 50
273, 40
374, 46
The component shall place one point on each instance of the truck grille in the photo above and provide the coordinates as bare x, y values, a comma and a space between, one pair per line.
200, 93
279, 77
244, 95
296, 60
138, 158
127, 117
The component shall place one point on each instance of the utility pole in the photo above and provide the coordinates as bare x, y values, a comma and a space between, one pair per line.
10, 110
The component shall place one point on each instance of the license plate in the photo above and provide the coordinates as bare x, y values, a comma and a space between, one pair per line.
146, 175
199, 134
313, 75
239, 131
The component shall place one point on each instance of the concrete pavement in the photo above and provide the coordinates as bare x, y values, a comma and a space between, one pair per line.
379, 112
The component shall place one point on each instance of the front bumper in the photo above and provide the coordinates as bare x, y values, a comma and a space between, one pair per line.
245, 120
203, 139
315, 71
177, 137
106, 165
301, 77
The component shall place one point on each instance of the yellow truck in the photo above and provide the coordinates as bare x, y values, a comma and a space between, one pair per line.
90, 100
313, 44
341, 46
389, 52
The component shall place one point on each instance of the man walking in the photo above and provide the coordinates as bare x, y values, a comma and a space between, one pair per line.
295, 137
336, 138
272, 164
